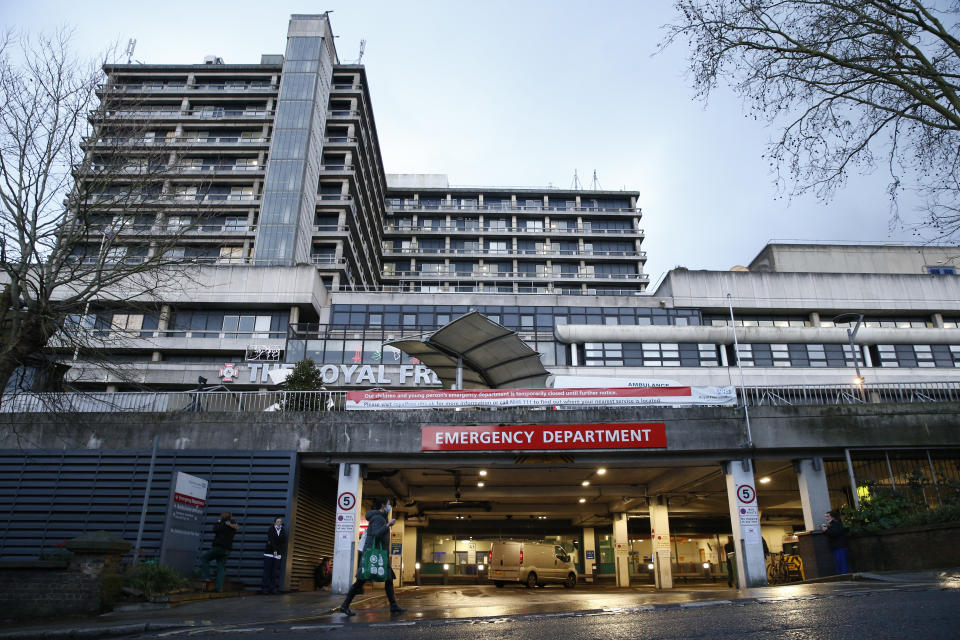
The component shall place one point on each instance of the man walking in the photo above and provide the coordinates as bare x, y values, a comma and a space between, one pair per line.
273, 555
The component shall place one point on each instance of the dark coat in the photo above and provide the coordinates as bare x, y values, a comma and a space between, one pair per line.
276, 543
836, 535
223, 535
377, 529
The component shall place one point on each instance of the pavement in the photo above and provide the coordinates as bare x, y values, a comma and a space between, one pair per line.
447, 603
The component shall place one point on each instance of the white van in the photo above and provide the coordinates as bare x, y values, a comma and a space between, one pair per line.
531, 563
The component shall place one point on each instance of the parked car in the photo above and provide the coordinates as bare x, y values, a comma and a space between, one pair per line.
531, 563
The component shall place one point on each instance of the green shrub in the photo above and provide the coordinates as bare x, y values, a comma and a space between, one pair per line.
155, 579
914, 502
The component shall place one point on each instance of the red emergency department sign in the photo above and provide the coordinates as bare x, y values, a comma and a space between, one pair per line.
644, 435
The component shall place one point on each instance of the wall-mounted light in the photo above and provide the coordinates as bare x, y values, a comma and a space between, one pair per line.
582, 500
483, 472
446, 567
765, 480
650, 566
601, 471
480, 484
585, 483
416, 566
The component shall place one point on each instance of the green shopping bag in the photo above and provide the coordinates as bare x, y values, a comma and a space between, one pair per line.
375, 563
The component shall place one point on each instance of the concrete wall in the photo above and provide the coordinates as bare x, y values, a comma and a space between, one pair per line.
819, 258
823, 292
706, 433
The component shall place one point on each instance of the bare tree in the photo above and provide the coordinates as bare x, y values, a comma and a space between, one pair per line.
854, 83
80, 187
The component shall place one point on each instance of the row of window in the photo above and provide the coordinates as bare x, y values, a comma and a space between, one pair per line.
503, 225
517, 318
491, 203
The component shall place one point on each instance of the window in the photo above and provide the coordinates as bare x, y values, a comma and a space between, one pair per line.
231, 255
245, 326
942, 271
126, 325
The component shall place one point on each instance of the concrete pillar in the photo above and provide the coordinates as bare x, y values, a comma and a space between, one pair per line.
660, 544
814, 495
621, 549
589, 552
745, 523
396, 547
409, 554
349, 495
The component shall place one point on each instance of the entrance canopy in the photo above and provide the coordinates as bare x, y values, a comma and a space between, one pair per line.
492, 356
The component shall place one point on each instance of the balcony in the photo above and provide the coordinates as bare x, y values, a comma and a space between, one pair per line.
450, 274
127, 143
329, 228
486, 231
184, 114
328, 262
173, 88
544, 253
124, 200
218, 169
504, 208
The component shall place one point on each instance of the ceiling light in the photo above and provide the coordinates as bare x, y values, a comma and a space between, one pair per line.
483, 472
764, 479
480, 484
601, 471
585, 483
582, 500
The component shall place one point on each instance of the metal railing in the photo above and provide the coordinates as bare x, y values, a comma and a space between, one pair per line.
871, 393
174, 87
507, 207
525, 275
299, 401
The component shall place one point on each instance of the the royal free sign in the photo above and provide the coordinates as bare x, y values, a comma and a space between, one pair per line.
642, 435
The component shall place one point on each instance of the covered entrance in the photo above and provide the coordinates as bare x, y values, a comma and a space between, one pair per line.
626, 519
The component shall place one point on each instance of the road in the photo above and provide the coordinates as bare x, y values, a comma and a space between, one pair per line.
841, 611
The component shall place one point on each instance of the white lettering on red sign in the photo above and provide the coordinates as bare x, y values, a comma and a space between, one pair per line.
527, 437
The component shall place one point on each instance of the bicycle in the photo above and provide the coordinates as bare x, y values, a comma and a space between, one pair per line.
778, 571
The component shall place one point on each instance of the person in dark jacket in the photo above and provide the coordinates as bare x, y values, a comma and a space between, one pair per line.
837, 539
728, 550
378, 528
223, 532
273, 556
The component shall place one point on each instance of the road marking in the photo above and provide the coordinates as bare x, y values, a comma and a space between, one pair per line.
706, 603
393, 624
317, 627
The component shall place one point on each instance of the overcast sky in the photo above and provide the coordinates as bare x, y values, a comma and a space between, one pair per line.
524, 93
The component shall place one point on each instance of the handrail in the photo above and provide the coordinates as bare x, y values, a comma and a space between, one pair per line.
314, 401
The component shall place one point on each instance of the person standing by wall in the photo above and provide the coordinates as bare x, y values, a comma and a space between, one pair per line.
728, 551
837, 539
378, 529
223, 532
273, 556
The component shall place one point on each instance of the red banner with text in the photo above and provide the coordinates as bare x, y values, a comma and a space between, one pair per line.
643, 435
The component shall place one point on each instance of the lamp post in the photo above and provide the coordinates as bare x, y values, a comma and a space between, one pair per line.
851, 335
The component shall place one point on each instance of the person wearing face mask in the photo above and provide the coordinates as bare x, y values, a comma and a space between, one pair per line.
378, 528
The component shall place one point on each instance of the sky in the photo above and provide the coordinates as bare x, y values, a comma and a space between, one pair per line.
525, 93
